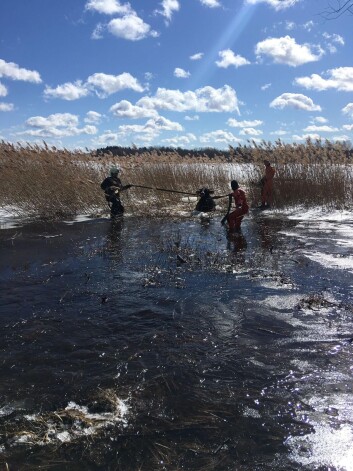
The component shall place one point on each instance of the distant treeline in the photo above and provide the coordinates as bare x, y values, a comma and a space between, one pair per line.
278, 151
120, 151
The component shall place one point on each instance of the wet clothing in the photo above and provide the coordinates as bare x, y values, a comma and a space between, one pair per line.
241, 207
267, 188
206, 202
112, 186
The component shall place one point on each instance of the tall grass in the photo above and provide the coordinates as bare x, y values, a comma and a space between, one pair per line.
52, 184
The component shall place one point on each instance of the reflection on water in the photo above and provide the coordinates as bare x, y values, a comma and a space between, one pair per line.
161, 344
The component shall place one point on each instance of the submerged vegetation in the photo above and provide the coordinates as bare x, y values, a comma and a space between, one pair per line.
50, 183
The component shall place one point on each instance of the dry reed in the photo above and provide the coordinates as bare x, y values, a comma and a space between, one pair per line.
50, 183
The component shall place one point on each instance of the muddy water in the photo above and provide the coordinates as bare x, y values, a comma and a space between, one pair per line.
165, 344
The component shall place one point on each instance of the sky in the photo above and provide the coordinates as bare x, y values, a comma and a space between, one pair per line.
86, 74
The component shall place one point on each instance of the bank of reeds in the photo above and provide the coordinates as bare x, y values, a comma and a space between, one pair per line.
51, 183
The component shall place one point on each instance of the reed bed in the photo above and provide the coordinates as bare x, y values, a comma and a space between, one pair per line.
50, 183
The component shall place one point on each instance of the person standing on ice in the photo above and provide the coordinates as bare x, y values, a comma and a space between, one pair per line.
112, 187
235, 217
267, 186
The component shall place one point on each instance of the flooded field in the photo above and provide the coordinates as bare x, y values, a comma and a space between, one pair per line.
169, 345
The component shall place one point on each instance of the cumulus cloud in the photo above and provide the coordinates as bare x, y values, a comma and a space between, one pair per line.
219, 136
348, 109
93, 117
197, 56
67, 91
130, 27
108, 7
151, 129
320, 119
304, 137
56, 125
276, 4
196, 117
105, 84
168, 8
3, 90
348, 127
14, 72
108, 137
286, 51
228, 58
206, 99
279, 132
181, 73
342, 138
294, 100
243, 124
339, 79
266, 86
211, 3
102, 84
314, 128
6, 107
184, 140
250, 132
125, 109
98, 31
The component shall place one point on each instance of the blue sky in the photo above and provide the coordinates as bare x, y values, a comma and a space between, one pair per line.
188, 73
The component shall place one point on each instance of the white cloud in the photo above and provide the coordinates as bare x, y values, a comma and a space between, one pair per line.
192, 118
219, 136
250, 132
348, 127
340, 79
67, 91
181, 73
6, 106
14, 72
243, 124
93, 117
3, 90
56, 125
125, 109
335, 38
102, 84
320, 119
105, 84
108, 137
286, 51
130, 27
294, 100
308, 26
228, 58
290, 25
342, 138
348, 109
276, 4
184, 140
197, 56
306, 136
266, 86
152, 127
201, 100
314, 128
168, 8
211, 3
279, 132
108, 7
98, 31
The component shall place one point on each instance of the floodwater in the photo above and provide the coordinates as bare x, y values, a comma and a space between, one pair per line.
167, 345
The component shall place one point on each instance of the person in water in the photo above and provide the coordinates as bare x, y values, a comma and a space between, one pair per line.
112, 187
267, 186
235, 217
206, 202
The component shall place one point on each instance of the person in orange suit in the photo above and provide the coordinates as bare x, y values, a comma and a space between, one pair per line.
267, 186
235, 217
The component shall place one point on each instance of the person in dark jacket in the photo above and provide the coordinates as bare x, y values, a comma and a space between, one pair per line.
206, 202
112, 187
